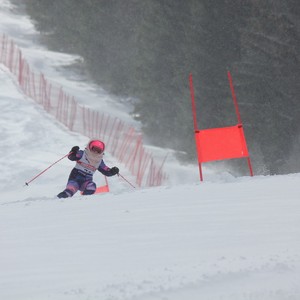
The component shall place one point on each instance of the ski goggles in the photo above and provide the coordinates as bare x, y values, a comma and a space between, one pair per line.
97, 150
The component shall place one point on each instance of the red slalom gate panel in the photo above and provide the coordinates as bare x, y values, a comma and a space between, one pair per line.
220, 143
103, 188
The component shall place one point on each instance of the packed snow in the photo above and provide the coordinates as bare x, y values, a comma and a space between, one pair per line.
229, 238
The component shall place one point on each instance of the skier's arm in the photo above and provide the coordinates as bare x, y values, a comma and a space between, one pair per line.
75, 154
105, 170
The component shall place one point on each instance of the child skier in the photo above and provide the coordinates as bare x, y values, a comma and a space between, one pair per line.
87, 162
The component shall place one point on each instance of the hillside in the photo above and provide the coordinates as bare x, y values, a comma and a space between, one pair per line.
229, 238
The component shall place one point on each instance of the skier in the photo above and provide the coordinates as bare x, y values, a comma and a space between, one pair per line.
87, 162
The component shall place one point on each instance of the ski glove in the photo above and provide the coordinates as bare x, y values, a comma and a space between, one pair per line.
114, 170
74, 149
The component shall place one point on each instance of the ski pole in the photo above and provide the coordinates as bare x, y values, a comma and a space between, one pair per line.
126, 180
27, 183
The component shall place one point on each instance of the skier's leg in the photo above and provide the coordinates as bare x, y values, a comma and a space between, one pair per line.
71, 188
89, 188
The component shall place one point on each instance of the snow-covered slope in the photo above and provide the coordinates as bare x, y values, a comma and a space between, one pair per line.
226, 238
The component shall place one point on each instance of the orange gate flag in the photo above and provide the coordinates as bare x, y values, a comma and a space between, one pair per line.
103, 188
220, 143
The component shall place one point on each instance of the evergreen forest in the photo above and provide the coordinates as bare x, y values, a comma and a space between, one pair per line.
145, 50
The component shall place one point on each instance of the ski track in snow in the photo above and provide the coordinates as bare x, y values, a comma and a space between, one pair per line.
162, 243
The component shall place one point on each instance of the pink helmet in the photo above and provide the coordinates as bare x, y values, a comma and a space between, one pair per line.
96, 145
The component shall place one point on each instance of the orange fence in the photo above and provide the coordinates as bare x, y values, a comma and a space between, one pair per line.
122, 140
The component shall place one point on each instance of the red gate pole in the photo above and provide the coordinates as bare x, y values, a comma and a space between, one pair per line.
234, 98
238, 115
193, 102
195, 119
250, 166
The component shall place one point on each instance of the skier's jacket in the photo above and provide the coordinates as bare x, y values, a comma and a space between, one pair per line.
87, 163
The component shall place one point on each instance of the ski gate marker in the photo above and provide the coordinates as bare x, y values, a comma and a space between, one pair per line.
219, 143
